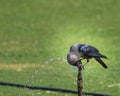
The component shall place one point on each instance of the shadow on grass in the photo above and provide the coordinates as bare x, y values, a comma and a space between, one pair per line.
49, 89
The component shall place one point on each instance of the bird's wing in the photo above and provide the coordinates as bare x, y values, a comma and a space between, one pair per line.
97, 55
90, 51
86, 50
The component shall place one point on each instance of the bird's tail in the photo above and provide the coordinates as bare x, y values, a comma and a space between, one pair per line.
101, 62
103, 56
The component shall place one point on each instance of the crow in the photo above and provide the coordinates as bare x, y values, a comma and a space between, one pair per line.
79, 52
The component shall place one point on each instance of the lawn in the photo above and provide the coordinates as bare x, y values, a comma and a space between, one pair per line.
35, 31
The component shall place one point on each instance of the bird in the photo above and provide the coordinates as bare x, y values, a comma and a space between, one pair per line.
79, 52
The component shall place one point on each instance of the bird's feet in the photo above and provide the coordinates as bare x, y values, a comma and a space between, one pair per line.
80, 65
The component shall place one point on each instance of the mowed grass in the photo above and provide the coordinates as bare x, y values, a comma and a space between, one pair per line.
34, 31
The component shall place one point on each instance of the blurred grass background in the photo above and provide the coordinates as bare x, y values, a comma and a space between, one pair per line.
34, 31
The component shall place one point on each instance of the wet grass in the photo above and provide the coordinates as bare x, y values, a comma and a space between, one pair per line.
32, 32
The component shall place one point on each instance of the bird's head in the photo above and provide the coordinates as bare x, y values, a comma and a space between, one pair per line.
72, 59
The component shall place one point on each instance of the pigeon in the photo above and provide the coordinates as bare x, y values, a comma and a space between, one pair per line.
79, 52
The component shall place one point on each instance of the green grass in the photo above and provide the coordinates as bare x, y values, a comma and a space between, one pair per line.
34, 31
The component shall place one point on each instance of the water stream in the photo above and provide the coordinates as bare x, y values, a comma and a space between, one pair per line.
34, 79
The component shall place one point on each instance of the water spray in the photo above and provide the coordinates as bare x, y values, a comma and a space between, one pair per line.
56, 59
